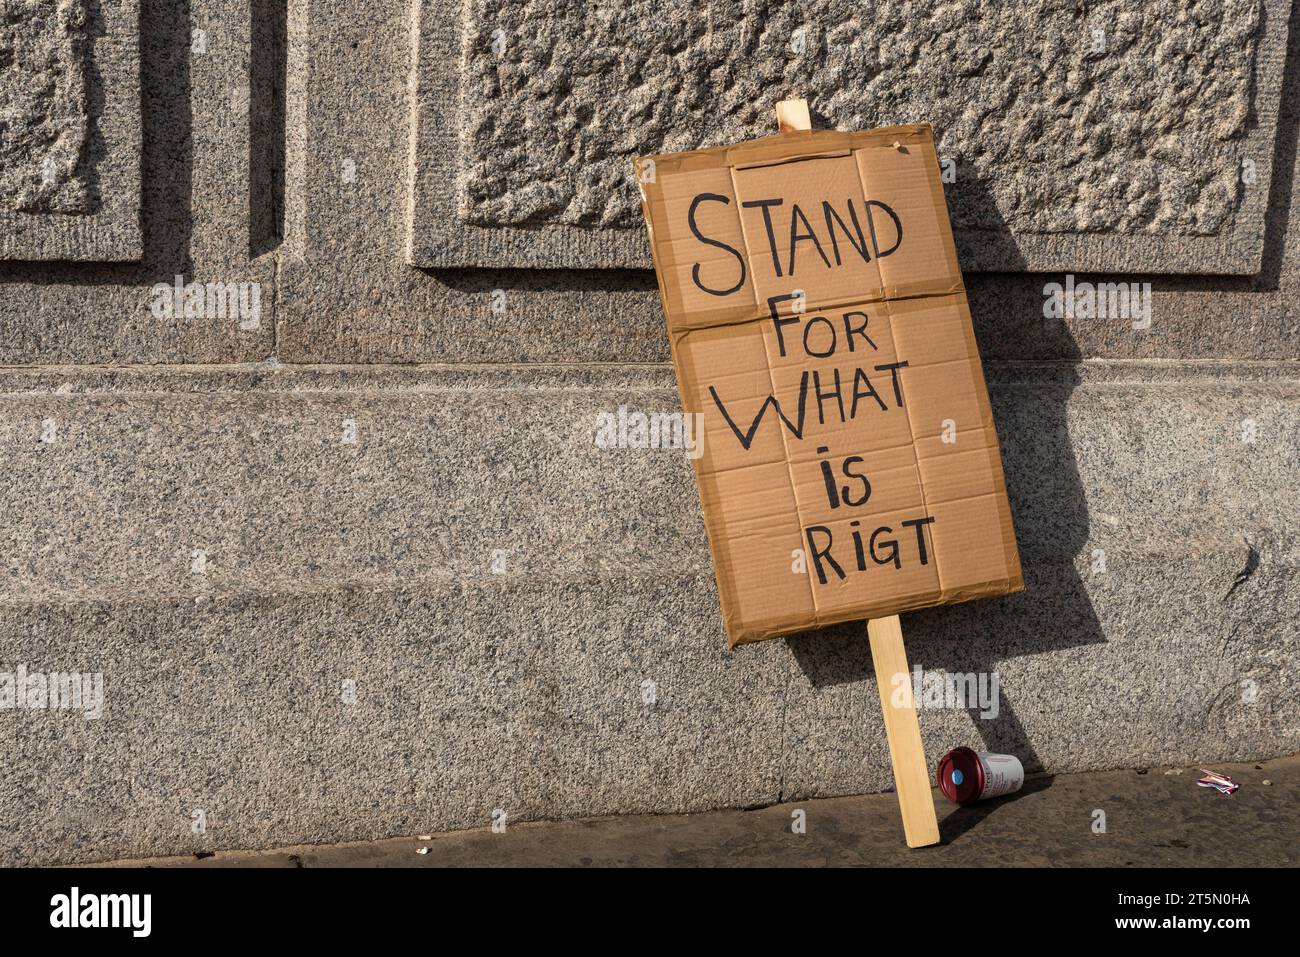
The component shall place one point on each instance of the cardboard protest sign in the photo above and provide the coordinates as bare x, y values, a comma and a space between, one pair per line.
819, 324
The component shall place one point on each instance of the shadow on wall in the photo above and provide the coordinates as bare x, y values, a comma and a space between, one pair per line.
1048, 504
96, 151
1047, 501
1050, 514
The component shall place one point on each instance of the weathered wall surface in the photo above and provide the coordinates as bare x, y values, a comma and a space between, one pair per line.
1105, 136
70, 140
342, 545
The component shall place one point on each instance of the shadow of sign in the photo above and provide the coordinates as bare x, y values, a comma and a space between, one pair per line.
1050, 515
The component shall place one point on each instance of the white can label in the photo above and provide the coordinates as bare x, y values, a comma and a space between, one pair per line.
1003, 774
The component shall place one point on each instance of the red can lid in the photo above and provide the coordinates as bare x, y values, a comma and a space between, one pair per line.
961, 776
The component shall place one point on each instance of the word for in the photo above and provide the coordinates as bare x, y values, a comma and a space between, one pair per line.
820, 337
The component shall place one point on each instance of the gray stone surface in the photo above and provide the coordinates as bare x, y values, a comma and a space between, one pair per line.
278, 150
195, 218
1073, 150
1156, 817
500, 590
70, 130
45, 101
345, 294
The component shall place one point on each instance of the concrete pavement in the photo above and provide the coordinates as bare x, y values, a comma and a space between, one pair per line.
1157, 817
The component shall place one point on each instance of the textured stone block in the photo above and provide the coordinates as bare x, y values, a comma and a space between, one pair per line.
346, 294
500, 594
290, 499
1132, 136
70, 130
197, 163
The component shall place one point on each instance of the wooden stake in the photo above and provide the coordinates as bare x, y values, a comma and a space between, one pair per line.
792, 116
911, 772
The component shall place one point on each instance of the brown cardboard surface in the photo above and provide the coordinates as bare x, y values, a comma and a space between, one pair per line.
818, 323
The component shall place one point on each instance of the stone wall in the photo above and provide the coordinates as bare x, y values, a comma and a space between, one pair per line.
340, 541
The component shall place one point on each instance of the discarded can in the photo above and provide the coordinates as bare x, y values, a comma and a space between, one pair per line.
967, 776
